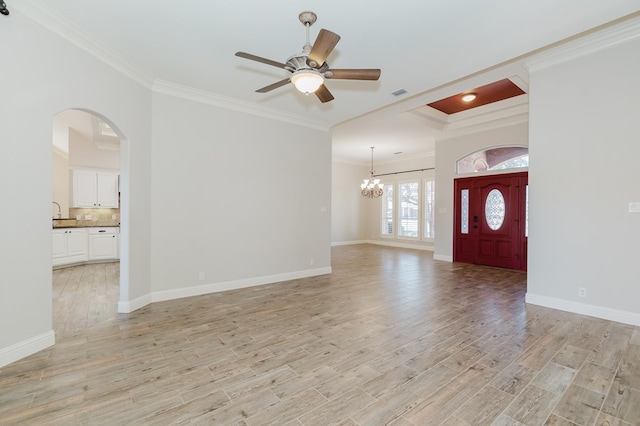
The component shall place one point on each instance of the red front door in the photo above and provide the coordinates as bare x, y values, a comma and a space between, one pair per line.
490, 220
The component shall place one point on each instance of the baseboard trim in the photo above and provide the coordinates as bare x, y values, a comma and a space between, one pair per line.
349, 243
400, 245
384, 243
160, 296
443, 257
601, 312
126, 307
27, 347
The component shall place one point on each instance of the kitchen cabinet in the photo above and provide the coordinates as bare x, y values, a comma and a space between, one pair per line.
103, 243
94, 188
69, 246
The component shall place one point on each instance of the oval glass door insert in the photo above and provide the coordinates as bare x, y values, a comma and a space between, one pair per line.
494, 209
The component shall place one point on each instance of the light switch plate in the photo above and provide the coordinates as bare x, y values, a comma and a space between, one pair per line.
634, 207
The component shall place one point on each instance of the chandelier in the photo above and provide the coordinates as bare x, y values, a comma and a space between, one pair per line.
372, 187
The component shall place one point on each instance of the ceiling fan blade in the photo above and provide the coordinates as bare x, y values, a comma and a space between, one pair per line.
260, 59
275, 85
356, 74
324, 44
324, 94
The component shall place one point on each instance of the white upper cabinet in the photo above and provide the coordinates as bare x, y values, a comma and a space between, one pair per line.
95, 188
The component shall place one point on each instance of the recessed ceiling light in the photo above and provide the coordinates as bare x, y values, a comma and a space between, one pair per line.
468, 97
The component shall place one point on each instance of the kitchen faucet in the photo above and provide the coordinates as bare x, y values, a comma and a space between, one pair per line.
59, 210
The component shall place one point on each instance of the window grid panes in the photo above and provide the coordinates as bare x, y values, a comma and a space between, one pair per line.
429, 209
408, 208
387, 211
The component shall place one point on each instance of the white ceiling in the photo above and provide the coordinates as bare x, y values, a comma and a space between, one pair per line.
422, 46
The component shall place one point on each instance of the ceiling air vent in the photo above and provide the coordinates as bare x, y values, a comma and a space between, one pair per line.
399, 92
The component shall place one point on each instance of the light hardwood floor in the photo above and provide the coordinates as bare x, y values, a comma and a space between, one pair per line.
391, 337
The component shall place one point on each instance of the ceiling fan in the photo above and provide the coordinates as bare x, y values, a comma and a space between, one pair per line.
309, 69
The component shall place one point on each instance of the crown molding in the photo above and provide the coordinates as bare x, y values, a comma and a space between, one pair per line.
511, 120
433, 118
200, 96
39, 12
499, 114
585, 44
500, 111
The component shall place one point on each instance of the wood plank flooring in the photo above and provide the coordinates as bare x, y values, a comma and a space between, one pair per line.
390, 337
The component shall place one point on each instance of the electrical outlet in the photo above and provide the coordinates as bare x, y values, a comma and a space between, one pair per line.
582, 292
201, 276
312, 261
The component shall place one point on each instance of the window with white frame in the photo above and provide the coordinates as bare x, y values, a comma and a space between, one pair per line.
429, 208
408, 209
387, 211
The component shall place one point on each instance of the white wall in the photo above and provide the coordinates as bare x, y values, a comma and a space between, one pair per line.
349, 209
42, 76
584, 149
448, 151
244, 199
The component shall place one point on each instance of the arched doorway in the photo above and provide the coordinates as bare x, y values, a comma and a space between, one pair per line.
90, 159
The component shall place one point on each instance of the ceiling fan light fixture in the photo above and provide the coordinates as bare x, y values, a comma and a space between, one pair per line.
468, 97
307, 80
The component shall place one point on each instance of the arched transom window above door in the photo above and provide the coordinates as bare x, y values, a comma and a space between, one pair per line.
500, 158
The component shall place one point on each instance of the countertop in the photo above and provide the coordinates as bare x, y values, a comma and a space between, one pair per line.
74, 223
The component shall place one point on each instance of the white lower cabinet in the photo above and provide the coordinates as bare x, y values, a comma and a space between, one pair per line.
69, 246
103, 243
76, 245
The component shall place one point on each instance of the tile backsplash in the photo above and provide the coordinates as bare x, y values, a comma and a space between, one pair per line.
100, 217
